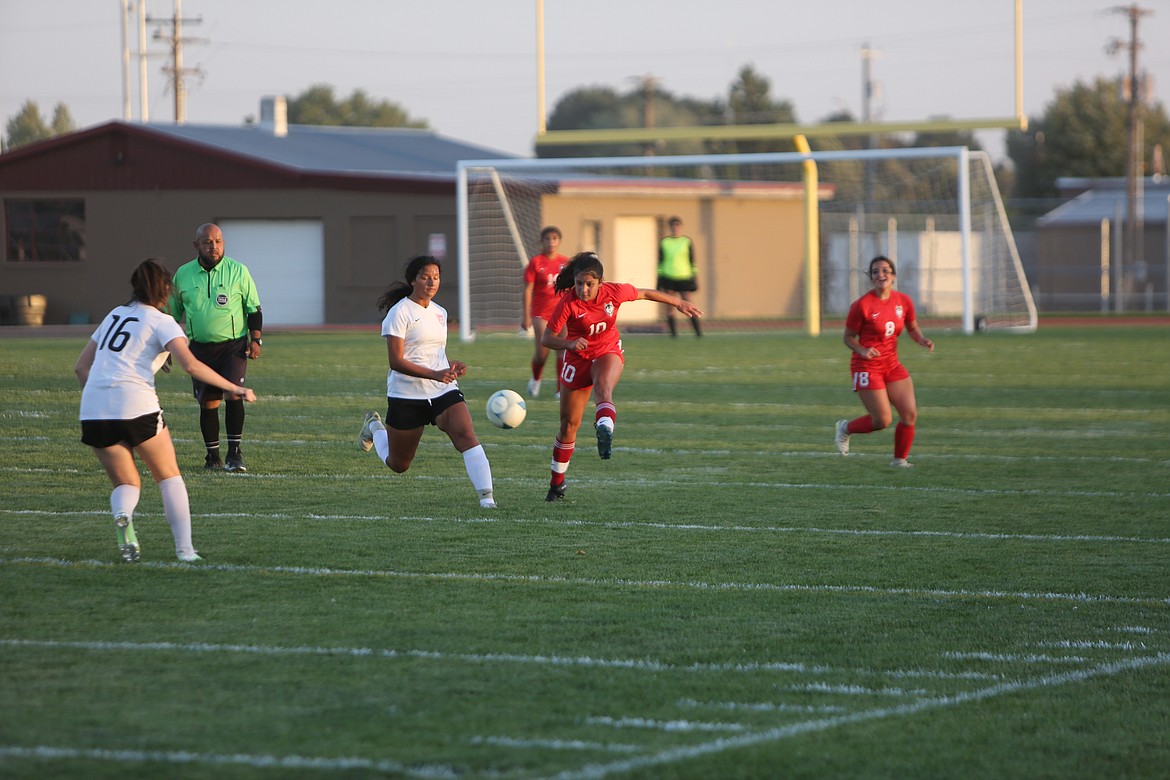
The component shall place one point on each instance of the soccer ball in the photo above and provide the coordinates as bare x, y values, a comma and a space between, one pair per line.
506, 409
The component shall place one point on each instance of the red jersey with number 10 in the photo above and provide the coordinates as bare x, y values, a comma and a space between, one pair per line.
878, 323
596, 320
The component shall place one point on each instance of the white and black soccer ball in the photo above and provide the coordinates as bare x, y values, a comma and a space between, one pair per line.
506, 409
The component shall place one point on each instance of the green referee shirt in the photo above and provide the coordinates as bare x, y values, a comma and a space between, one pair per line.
215, 303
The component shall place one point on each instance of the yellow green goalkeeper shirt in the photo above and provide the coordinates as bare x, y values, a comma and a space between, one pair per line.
675, 260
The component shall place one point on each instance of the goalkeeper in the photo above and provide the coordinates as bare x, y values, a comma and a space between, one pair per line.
676, 271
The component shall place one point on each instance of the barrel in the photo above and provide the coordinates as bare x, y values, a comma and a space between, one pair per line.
29, 309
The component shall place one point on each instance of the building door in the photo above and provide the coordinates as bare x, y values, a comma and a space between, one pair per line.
635, 261
287, 261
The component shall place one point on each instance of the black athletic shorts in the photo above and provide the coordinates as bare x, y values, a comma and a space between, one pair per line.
229, 359
666, 284
107, 433
406, 414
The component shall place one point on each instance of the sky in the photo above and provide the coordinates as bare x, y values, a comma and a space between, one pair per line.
469, 67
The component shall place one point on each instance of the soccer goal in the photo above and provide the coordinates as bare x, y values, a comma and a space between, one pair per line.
936, 212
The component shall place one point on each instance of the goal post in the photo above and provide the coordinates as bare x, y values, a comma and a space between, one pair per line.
935, 211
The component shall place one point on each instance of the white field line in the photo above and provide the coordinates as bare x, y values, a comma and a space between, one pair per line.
690, 481
697, 452
766, 706
1008, 658
672, 726
43, 752
613, 524
589, 662
674, 755
556, 744
617, 582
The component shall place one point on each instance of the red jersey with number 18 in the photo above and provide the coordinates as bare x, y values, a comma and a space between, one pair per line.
596, 320
878, 323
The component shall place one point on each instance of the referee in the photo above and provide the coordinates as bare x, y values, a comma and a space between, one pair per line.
217, 298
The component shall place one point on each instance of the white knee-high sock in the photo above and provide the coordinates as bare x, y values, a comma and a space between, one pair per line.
479, 470
177, 506
124, 500
381, 441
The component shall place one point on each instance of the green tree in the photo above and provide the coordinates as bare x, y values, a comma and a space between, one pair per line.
62, 120
1084, 131
601, 108
750, 103
28, 126
318, 106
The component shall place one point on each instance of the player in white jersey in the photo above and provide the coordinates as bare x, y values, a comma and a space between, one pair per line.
421, 386
120, 412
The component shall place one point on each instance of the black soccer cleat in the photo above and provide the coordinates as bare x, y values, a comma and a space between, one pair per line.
556, 492
235, 463
604, 441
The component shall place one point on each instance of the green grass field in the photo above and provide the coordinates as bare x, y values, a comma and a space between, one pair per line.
725, 598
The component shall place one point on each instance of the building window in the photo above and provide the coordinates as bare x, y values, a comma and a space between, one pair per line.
44, 230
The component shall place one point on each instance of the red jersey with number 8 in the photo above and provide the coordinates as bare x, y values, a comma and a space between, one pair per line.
878, 323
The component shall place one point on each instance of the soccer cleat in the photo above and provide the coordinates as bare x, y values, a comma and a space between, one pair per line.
901, 463
533, 387
235, 462
555, 492
487, 503
212, 462
366, 434
842, 439
191, 557
127, 539
604, 441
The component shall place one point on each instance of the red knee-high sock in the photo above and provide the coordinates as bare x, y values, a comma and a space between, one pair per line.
606, 410
562, 452
537, 369
863, 424
903, 438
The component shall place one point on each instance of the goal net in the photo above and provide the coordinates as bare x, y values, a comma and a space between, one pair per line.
936, 212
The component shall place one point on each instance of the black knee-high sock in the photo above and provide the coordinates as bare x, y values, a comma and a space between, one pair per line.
233, 420
209, 426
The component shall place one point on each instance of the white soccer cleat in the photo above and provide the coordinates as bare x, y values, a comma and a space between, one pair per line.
901, 463
533, 388
127, 539
366, 434
487, 503
191, 557
842, 437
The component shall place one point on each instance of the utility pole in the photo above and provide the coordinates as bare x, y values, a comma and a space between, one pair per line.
176, 70
868, 90
1135, 173
648, 85
125, 60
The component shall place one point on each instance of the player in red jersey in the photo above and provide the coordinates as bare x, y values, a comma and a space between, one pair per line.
539, 298
871, 331
593, 359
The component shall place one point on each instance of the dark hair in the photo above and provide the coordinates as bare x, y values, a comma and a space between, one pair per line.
674, 221
151, 283
550, 230
401, 289
883, 259
582, 263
